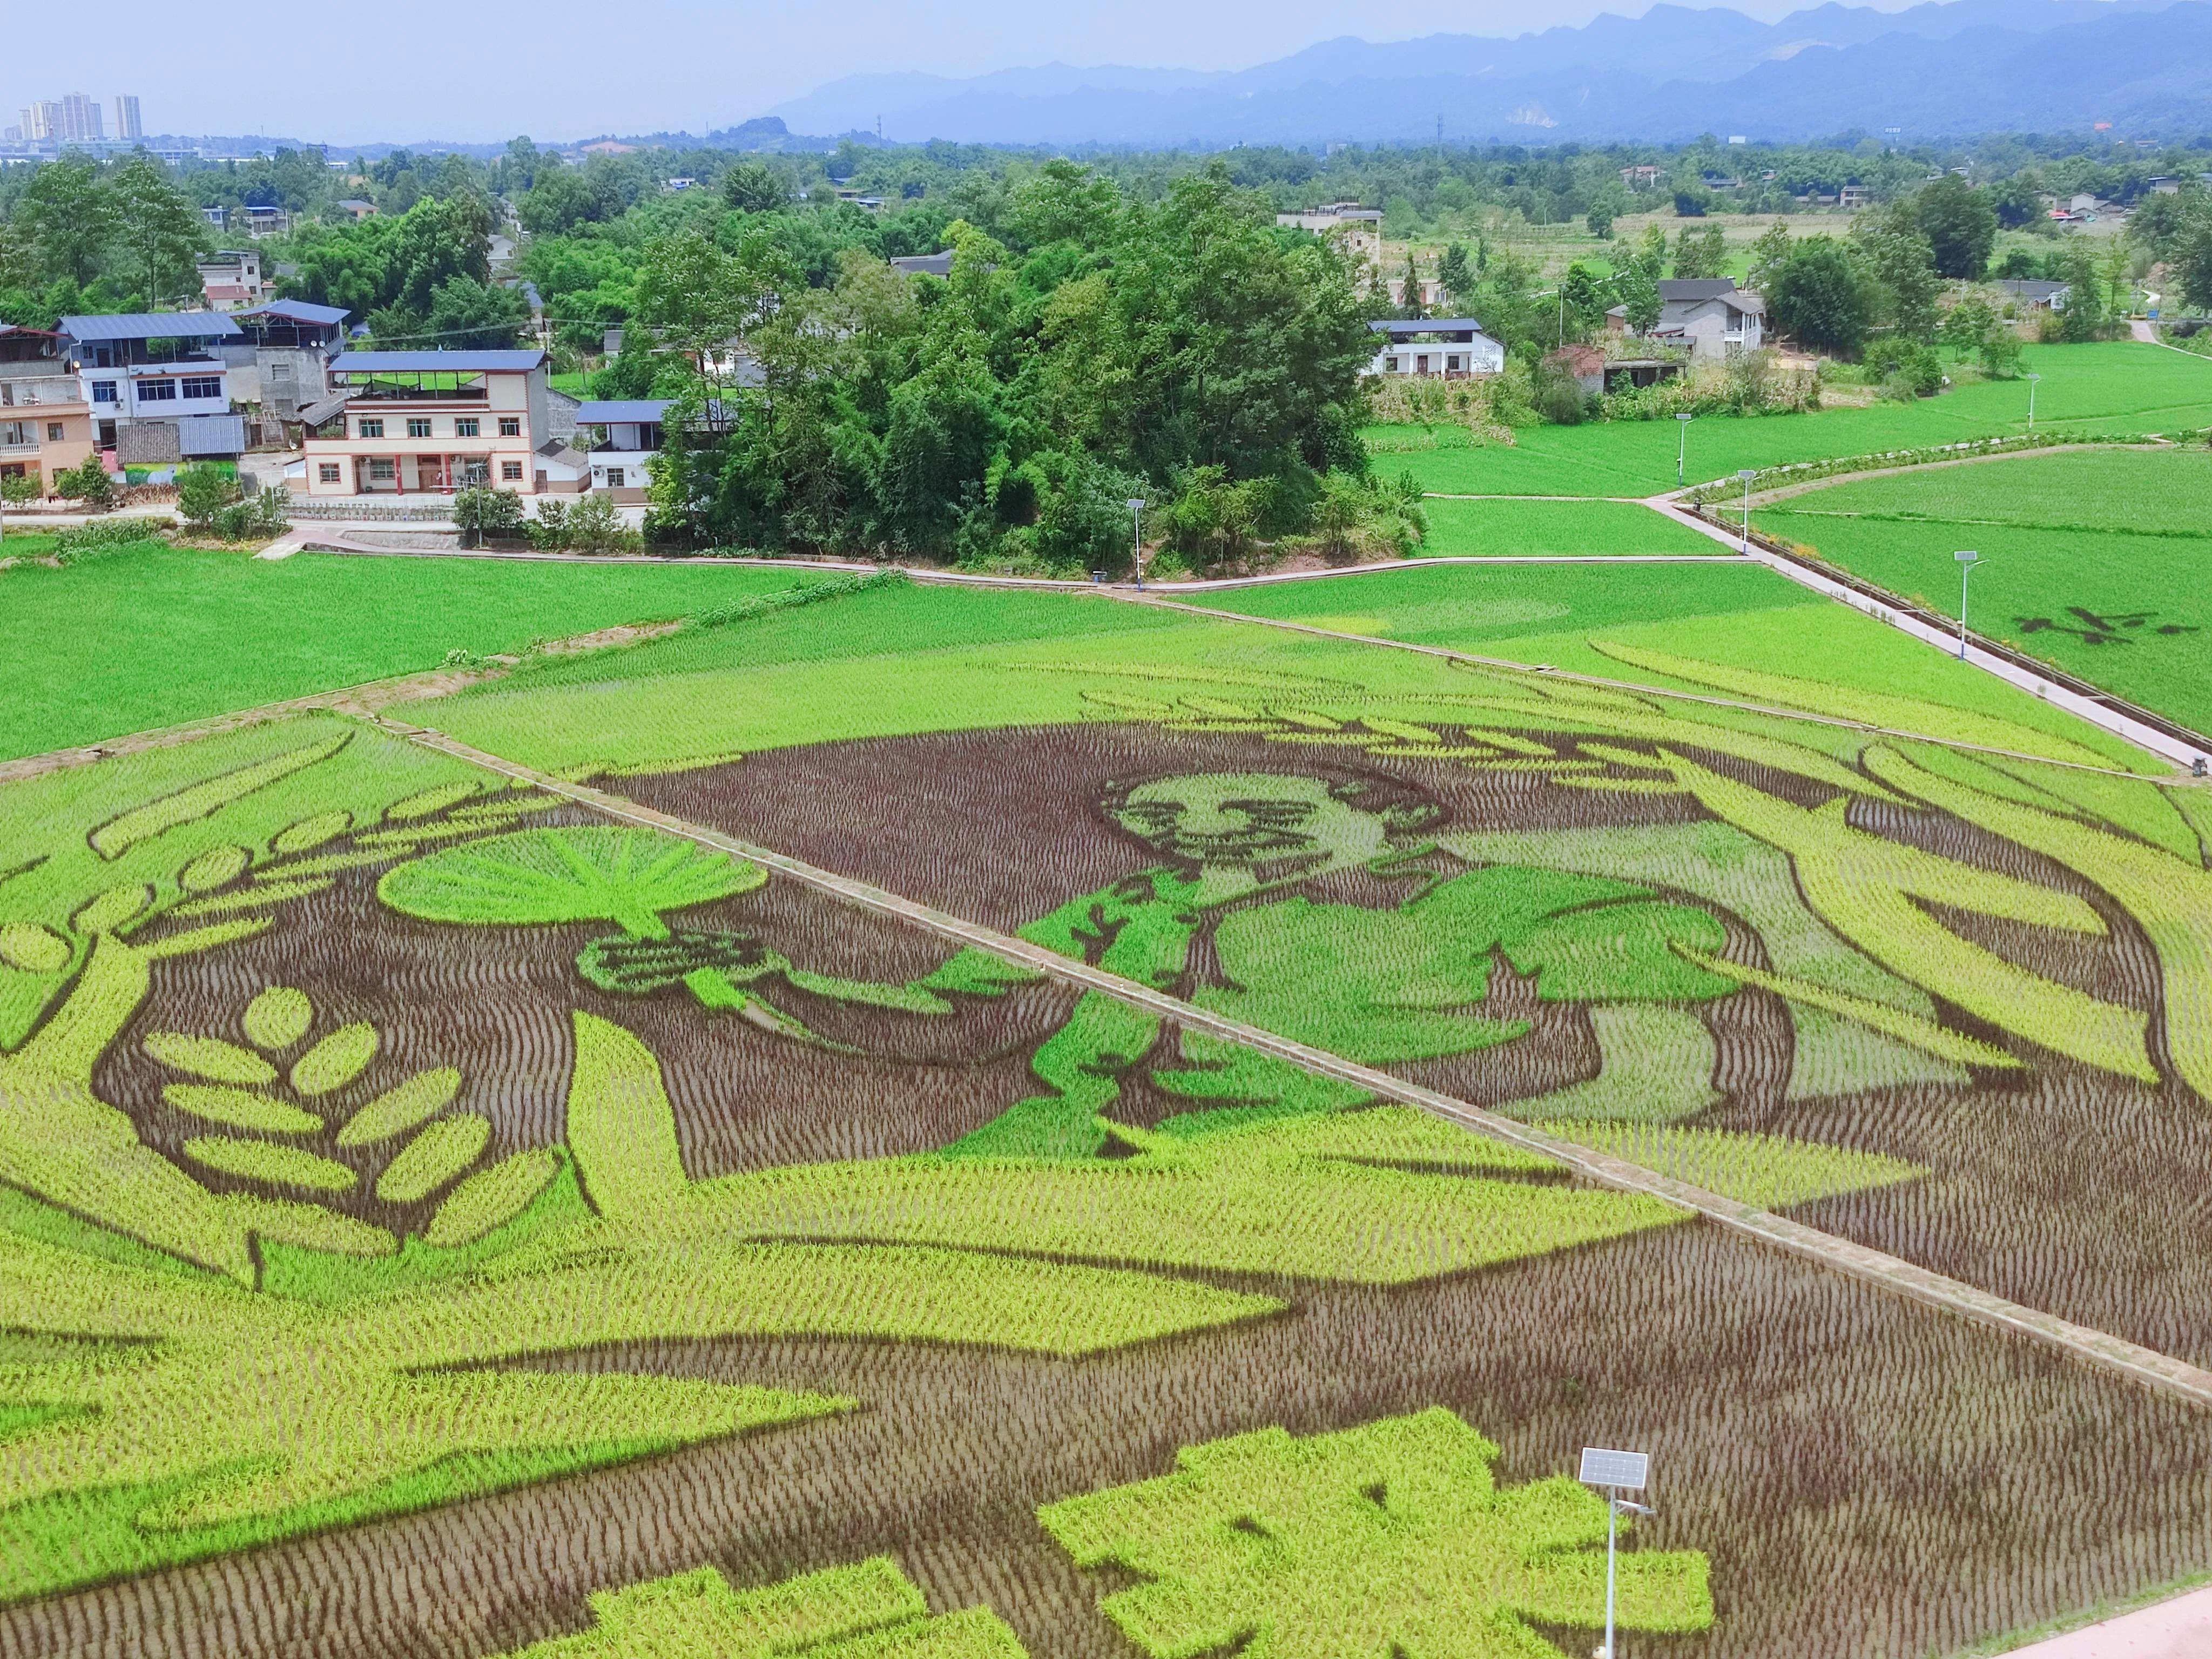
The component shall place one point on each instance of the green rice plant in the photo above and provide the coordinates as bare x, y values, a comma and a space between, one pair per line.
2169, 898
1391, 1537
1874, 707
871, 1610
1864, 886
119, 835
1657, 1065
1767, 1172
1926, 1034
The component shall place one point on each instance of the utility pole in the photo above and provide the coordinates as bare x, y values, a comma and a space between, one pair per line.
1967, 560
1617, 1472
1137, 523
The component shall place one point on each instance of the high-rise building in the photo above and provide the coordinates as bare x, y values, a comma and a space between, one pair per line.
80, 122
38, 121
127, 126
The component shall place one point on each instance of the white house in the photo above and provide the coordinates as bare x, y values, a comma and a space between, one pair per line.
435, 421
1710, 315
161, 366
1359, 229
619, 460
1446, 348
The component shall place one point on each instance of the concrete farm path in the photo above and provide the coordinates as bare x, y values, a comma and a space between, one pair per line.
2098, 1349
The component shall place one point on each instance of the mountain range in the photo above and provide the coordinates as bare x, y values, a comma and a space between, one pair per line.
1971, 66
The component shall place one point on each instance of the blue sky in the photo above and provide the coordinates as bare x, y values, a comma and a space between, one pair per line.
480, 69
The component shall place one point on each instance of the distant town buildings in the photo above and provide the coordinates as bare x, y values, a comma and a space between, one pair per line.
76, 118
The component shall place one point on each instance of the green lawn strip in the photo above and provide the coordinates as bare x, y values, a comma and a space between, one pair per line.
870, 1610
2103, 597
1740, 619
1509, 529
21, 544
2122, 387
157, 637
1391, 1537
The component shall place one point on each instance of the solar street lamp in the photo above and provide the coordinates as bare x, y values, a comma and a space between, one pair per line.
1968, 561
2032, 380
1617, 1472
1682, 447
1136, 524
1745, 475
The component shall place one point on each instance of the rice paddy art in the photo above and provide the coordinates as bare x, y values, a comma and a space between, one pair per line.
555, 1233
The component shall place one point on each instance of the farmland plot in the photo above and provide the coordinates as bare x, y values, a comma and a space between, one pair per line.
2095, 560
436, 1195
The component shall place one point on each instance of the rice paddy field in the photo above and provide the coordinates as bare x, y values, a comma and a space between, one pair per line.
153, 636
1521, 528
988, 1122
2097, 560
2123, 388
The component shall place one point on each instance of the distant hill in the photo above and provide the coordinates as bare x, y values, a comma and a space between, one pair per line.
1967, 66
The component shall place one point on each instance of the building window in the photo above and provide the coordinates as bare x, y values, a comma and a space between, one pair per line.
418, 426
208, 386
381, 471
510, 472
103, 392
328, 472
617, 478
54, 431
510, 426
14, 434
468, 426
157, 391
371, 428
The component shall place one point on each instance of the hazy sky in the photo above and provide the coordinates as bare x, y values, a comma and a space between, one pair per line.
475, 69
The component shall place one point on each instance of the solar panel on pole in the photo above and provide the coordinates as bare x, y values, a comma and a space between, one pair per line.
1625, 1470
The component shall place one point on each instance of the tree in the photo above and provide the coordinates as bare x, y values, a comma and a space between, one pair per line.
1639, 294
1700, 253
2191, 255
1768, 255
1900, 281
1960, 224
203, 492
1818, 296
468, 315
68, 216
1412, 310
2016, 202
1454, 271
2083, 319
755, 187
157, 232
1608, 205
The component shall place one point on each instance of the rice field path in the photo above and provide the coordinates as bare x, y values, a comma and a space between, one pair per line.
2097, 1348
2179, 1629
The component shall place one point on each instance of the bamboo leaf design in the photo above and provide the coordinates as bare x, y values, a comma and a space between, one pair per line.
335, 1062
575, 873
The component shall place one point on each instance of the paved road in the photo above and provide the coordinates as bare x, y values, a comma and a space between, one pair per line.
2180, 1628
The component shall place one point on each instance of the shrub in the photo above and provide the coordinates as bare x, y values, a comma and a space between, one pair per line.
17, 491
203, 492
1904, 368
483, 511
549, 530
92, 540
260, 514
88, 483
595, 526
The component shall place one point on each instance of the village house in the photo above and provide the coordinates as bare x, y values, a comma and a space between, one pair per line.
282, 365
2032, 294
1712, 316
619, 460
431, 423
232, 279
46, 424
1448, 347
161, 368
1359, 229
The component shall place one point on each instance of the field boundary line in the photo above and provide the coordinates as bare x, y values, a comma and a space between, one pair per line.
1449, 655
1883, 607
1932, 1290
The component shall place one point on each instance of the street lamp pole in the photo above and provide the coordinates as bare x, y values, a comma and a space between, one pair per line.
1617, 1472
1682, 446
1136, 527
2032, 380
1746, 475
1967, 560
